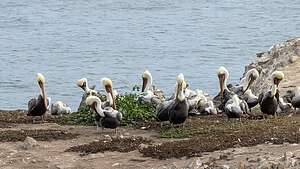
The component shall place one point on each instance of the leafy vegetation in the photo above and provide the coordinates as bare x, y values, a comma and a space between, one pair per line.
132, 109
84, 116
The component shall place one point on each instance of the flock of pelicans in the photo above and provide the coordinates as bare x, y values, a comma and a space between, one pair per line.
234, 101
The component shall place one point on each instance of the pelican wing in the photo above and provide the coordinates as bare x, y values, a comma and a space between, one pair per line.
32, 104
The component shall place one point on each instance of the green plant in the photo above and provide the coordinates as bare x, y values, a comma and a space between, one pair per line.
133, 110
84, 116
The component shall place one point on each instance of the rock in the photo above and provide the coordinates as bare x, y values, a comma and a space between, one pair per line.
226, 156
143, 146
107, 138
288, 155
293, 59
226, 167
279, 56
29, 143
270, 165
116, 164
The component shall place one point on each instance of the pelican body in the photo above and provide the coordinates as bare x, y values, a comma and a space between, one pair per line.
38, 107
175, 110
108, 117
60, 108
225, 94
236, 108
293, 97
268, 101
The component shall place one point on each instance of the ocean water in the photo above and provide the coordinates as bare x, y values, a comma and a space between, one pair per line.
67, 40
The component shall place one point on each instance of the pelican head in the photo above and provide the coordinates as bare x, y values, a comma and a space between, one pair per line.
82, 83
277, 76
107, 83
147, 80
180, 87
40, 78
223, 75
251, 76
41, 81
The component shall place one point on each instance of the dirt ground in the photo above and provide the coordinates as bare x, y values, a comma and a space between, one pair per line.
204, 142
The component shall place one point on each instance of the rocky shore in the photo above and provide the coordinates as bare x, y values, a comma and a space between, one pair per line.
282, 56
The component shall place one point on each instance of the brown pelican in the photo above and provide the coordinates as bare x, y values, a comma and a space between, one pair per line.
108, 117
196, 100
210, 108
246, 82
149, 93
284, 107
111, 94
268, 101
83, 84
60, 108
38, 107
179, 110
225, 94
235, 107
293, 96
176, 109
250, 98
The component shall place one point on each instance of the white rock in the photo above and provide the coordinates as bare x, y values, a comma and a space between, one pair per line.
29, 143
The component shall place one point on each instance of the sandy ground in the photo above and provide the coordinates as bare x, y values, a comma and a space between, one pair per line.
51, 154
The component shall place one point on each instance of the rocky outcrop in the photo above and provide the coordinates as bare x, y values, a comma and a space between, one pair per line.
283, 56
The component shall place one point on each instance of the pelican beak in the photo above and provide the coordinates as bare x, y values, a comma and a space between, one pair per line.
145, 81
109, 90
42, 86
178, 89
249, 83
221, 82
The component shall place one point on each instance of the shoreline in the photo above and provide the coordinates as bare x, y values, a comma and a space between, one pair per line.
205, 142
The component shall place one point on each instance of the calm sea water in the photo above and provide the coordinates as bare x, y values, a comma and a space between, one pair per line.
67, 40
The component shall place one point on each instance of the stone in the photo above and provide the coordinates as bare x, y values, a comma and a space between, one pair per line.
293, 58
107, 138
29, 143
143, 146
288, 155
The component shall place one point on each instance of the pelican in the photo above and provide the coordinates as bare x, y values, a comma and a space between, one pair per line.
176, 109
111, 94
250, 98
60, 108
235, 107
293, 96
224, 94
179, 110
246, 82
210, 108
108, 117
38, 107
149, 93
83, 84
196, 101
268, 101
284, 107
